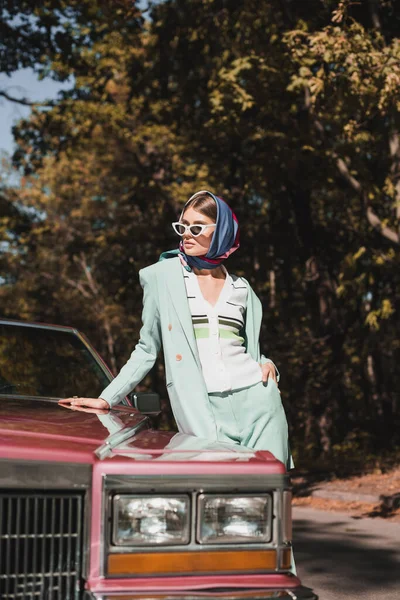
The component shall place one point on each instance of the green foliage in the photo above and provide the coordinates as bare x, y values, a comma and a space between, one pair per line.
288, 110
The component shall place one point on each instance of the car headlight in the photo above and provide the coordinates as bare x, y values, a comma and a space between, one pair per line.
150, 520
234, 519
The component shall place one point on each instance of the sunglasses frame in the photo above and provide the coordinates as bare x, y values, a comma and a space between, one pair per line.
188, 228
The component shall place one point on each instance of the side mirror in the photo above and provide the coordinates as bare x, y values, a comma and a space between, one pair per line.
147, 403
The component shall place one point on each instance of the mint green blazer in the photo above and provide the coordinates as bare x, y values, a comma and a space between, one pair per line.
167, 321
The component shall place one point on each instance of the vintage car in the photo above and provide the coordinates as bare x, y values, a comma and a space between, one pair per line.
100, 505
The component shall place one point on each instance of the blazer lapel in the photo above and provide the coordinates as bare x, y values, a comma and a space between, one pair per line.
177, 290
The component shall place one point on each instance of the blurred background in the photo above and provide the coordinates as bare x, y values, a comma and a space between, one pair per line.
114, 112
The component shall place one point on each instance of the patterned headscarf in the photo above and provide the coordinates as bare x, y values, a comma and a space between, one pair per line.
225, 239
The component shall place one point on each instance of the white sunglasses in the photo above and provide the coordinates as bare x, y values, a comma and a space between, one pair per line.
195, 230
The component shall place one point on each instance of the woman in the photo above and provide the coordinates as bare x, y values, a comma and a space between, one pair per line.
208, 323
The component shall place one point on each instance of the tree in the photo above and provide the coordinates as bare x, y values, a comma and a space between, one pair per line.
290, 111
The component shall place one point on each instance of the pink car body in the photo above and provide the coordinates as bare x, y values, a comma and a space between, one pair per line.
60, 472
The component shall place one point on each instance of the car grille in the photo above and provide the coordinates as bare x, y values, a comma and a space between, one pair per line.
40, 545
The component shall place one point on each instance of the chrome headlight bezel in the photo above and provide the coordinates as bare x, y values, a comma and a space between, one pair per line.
234, 539
129, 542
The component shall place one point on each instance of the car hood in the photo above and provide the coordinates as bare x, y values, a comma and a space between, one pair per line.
41, 429
45, 418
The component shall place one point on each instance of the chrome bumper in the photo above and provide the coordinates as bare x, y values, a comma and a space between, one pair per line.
299, 593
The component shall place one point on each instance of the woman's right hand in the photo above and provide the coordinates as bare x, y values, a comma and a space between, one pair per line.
90, 402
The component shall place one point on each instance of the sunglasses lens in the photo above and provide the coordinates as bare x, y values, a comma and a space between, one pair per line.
196, 229
179, 228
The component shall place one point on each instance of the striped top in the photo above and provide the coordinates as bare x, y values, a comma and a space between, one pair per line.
219, 335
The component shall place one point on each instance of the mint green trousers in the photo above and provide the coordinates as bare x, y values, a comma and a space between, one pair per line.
254, 417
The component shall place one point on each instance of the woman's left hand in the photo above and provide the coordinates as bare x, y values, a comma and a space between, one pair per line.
268, 370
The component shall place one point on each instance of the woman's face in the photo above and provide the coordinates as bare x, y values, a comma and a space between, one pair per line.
197, 246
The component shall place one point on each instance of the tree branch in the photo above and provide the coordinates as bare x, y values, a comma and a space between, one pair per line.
25, 101
101, 311
373, 10
78, 286
372, 217
344, 171
88, 275
394, 147
384, 230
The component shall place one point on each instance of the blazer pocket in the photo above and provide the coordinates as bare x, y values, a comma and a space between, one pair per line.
169, 384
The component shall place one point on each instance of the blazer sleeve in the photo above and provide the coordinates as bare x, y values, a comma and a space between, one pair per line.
262, 359
145, 352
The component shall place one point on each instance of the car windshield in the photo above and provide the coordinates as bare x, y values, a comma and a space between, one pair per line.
38, 361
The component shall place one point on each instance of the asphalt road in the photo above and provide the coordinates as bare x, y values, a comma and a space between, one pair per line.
345, 558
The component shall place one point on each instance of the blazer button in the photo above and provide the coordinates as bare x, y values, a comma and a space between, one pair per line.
178, 357
169, 327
